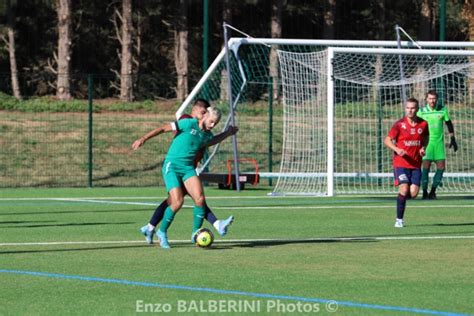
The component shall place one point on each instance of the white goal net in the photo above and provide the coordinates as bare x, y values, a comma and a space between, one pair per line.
339, 104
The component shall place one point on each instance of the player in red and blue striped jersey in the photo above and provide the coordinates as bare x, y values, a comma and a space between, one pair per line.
408, 139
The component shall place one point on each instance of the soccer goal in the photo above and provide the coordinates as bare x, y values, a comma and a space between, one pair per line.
314, 114
340, 103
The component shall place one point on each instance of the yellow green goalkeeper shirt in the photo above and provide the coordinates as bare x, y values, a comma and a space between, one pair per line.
435, 118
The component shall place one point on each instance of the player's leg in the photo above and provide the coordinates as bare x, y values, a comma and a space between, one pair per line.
149, 229
415, 180
402, 179
438, 178
220, 225
194, 187
173, 182
425, 170
176, 199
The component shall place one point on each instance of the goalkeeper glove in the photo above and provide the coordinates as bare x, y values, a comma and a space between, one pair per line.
453, 144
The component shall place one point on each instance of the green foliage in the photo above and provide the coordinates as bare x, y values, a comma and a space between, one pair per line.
95, 45
9, 103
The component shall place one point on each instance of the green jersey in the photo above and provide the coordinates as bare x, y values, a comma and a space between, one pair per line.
187, 143
435, 118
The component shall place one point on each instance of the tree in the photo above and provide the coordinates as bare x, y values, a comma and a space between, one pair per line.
181, 50
126, 80
10, 44
63, 91
329, 18
468, 14
276, 27
425, 21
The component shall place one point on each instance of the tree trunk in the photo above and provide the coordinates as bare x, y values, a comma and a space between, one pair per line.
426, 17
329, 18
226, 17
181, 51
64, 49
126, 80
378, 61
11, 52
468, 14
276, 26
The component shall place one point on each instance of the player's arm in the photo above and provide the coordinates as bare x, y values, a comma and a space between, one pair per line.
157, 131
388, 141
425, 142
231, 130
452, 142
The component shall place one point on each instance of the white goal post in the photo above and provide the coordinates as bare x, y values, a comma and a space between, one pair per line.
253, 76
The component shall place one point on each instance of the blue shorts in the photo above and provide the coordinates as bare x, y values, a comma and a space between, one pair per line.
406, 175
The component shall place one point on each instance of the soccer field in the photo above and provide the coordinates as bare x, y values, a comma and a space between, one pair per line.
79, 251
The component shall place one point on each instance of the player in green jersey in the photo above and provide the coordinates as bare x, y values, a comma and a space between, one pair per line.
435, 114
178, 167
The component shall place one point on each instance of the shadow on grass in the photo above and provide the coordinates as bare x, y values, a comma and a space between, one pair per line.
24, 222
273, 243
69, 224
150, 209
440, 198
445, 225
13, 252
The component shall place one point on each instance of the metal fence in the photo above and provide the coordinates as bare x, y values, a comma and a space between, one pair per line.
92, 146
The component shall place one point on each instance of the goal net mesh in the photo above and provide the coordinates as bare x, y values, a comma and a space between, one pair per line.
368, 92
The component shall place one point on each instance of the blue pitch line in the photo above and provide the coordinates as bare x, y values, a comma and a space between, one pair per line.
231, 292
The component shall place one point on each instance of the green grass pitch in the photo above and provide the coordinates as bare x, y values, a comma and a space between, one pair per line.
79, 251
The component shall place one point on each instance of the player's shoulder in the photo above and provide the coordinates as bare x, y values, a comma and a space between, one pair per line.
441, 108
421, 120
424, 109
187, 123
400, 122
185, 116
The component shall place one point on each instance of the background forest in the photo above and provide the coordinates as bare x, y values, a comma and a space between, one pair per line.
143, 49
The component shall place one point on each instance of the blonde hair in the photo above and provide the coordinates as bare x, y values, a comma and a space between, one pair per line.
213, 111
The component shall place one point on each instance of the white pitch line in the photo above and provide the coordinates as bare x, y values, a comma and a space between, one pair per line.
151, 198
236, 241
285, 207
270, 207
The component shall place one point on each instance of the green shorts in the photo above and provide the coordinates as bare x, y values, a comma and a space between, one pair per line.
175, 175
435, 151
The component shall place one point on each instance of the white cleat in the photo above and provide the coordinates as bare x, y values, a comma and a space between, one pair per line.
223, 225
399, 223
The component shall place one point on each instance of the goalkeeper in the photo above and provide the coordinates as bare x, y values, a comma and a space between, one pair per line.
435, 114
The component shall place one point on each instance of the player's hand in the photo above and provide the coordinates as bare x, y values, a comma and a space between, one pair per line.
138, 143
232, 130
453, 144
400, 152
422, 151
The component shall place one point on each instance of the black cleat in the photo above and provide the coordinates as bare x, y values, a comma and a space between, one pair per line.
425, 195
432, 195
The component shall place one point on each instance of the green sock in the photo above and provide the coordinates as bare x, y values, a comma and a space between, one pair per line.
424, 178
438, 177
167, 219
198, 217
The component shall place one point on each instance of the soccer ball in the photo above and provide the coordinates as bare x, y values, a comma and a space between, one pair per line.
204, 238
